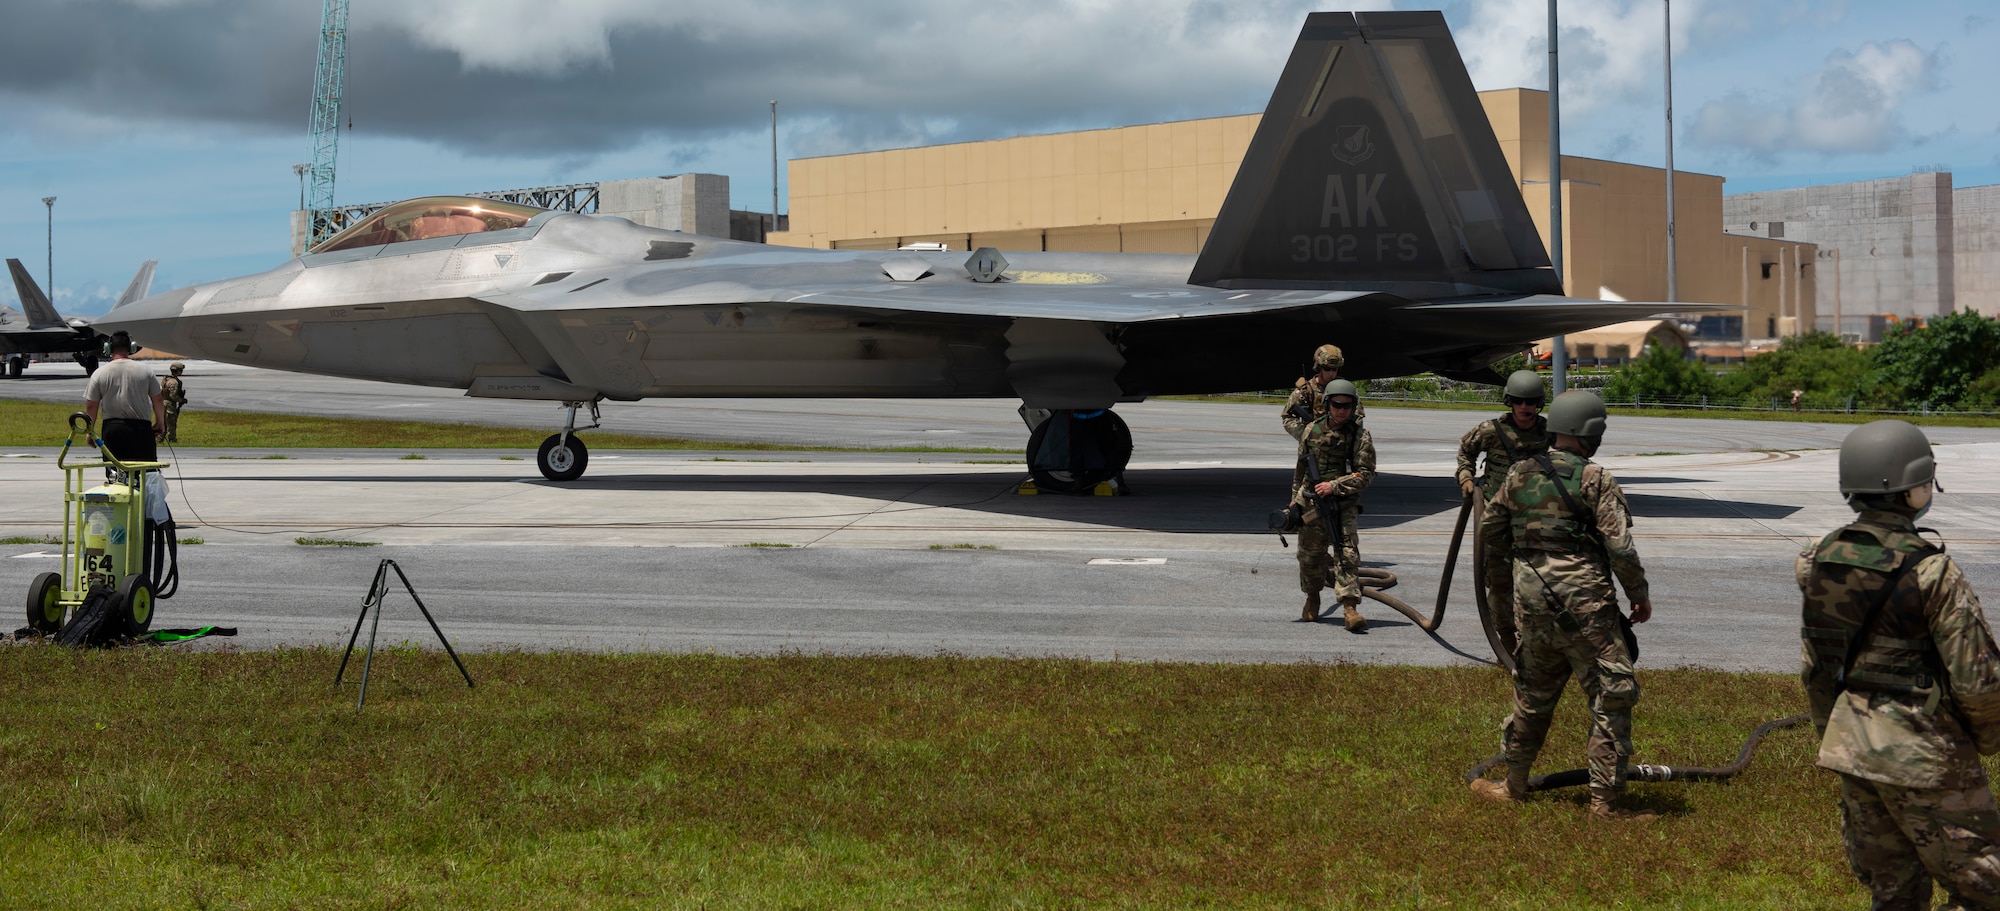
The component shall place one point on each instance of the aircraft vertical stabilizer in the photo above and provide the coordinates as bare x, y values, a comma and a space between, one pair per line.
142, 283
1375, 167
41, 313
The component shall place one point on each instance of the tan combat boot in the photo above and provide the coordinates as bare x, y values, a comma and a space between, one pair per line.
1514, 788
1604, 805
1351, 610
1311, 611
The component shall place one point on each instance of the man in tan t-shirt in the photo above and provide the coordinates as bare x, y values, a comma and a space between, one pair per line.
127, 396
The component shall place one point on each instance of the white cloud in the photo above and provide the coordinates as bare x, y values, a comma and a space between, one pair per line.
521, 36
539, 37
1852, 105
1610, 50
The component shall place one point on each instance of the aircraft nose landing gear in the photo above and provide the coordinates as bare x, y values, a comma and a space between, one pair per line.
1074, 451
563, 456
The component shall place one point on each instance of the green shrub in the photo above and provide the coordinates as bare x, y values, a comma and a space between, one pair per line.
1662, 374
1829, 372
1935, 364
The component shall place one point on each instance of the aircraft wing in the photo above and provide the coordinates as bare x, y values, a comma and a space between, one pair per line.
1068, 336
1082, 296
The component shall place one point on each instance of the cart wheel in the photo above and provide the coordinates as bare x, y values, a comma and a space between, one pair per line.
562, 463
135, 604
45, 610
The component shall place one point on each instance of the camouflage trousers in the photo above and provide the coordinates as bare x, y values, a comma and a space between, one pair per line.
1314, 559
173, 424
1549, 655
1899, 839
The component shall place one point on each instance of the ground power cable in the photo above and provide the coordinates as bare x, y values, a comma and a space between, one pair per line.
180, 484
1644, 771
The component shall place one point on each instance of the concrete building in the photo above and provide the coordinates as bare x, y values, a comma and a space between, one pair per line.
1156, 188
1891, 241
695, 203
1975, 246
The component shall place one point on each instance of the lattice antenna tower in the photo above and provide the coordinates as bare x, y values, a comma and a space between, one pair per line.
328, 76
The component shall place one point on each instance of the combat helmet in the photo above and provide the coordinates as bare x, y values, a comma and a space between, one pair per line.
1578, 414
1341, 387
1328, 356
1525, 385
1885, 457
177, 367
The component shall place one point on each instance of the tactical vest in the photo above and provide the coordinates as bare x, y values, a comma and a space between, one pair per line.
1548, 524
1345, 456
1495, 473
1865, 620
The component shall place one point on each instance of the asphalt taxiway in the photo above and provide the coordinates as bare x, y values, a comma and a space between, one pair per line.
934, 552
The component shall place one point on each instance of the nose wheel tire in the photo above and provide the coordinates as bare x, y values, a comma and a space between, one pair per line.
45, 610
135, 599
1072, 452
562, 462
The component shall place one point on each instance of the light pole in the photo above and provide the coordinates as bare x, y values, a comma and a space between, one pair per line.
1558, 351
1667, 22
50, 276
299, 171
774, 169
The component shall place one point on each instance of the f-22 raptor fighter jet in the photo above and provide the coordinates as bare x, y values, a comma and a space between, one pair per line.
41, 330
1373, 209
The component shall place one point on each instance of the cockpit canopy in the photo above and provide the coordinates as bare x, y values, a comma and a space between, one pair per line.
431, 216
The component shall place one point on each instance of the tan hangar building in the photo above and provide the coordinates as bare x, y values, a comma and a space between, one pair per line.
1156, 188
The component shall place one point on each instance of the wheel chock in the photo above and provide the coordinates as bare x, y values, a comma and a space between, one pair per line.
1027, 488
1112, 488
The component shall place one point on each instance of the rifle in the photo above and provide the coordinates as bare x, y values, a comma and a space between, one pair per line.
1304, 409
1323, 504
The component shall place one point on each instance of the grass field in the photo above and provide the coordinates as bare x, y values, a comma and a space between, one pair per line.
153, 778
47, 424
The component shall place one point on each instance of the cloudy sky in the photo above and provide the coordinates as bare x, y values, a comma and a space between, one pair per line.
167, 128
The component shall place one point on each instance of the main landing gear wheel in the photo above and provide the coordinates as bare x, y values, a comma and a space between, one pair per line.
45, 610
135, 604
1074, 451
562, 458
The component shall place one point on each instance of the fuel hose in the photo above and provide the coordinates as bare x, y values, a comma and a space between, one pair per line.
1644, 771
1374, 585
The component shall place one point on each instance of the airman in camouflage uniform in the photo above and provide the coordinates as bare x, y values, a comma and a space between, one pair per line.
1308, 400
1904, 681
1564, 551
1519, 434
1346, 457
174, 393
